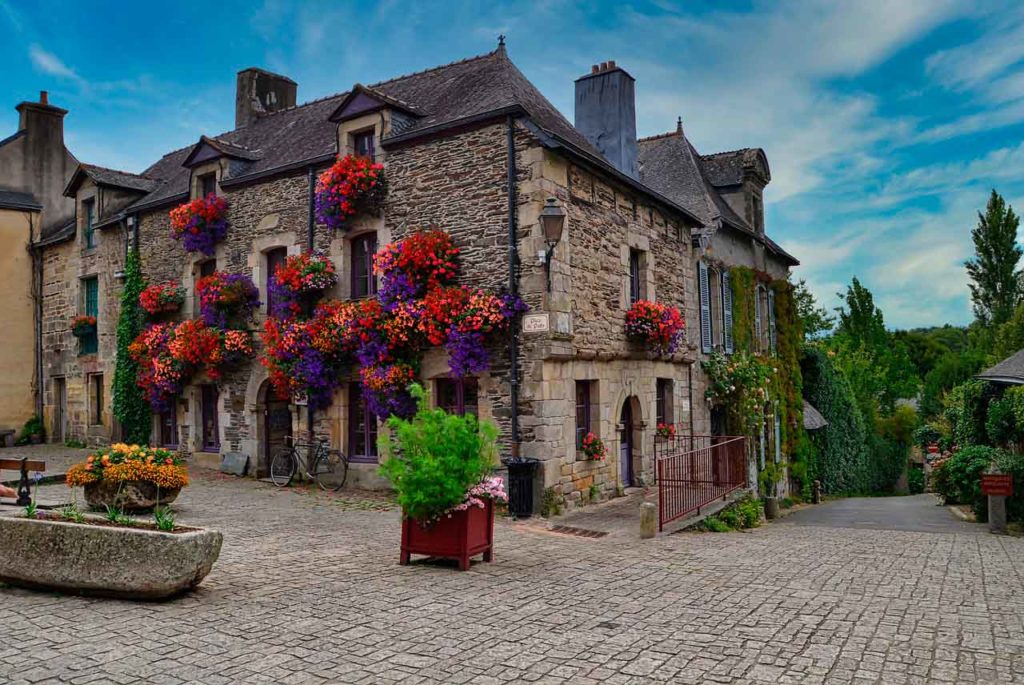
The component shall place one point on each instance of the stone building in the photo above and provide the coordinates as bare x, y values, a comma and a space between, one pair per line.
471, 147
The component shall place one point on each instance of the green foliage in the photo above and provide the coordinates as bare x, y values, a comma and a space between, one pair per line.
743, 285
550, 503
967, 412
31, 510
768, 479
1006, 338
815, 321
1001, 422
900, 425
435, 457
915, 481
1013, 464
740, 382
130, 406
788, 382
34, 426
71, 512
961, 475
948, 372
995, 279
925, 435
840, 460
164, 518
714, 524
117, 516
886, 461
74, 443
746, 513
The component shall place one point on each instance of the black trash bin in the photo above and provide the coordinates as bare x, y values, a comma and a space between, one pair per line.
521, 473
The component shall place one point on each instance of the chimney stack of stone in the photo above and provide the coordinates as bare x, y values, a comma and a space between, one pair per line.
259, 92
606, 114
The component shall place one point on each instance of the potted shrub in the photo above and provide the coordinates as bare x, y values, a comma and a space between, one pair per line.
82, 326
439, 465
769, 479
162, 298
130, 478
31, 432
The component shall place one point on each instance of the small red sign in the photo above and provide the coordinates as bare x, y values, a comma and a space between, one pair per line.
997, 484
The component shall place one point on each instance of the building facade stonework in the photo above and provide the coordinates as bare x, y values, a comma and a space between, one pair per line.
471, 148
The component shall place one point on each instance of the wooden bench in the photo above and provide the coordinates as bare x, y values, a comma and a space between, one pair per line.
23, 466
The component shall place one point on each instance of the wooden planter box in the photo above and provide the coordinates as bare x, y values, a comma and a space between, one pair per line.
460, 536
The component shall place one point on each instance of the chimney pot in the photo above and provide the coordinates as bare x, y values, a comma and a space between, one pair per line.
611, 64
594, 69
44, 98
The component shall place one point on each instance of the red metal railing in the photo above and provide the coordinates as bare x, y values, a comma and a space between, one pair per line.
695, 470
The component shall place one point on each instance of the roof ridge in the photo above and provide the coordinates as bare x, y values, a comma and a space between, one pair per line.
659, 136
116, 171
266, 115
728, 152
440, 66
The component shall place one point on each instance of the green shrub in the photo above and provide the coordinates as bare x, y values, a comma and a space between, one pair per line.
1013, 464
925, 435
129, 403
33, 426
749, 512
915, 481
967, 412
716, 525
1001, 423
960, 477
435, 457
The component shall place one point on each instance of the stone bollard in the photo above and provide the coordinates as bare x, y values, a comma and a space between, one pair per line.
997, 514
816, 493
648, 520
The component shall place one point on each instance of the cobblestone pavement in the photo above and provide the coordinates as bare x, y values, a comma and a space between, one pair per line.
307, 590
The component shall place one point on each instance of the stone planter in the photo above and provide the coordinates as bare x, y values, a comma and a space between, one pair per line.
130, 563
134, 496
460, 536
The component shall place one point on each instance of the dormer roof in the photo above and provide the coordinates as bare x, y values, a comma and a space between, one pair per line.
212, 148
365, 99
111, 178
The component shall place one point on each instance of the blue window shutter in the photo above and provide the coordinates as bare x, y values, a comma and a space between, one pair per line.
705, 307
727, 312
771, 320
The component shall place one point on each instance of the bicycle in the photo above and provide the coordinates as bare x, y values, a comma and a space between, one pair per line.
330, 466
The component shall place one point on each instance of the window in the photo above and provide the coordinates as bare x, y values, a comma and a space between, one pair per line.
583, 411
664, 410
207, 268
635, 291
362, 428
457, 396
96, 399
771, 320
364, 284
208, 410
275, 258
704, 291
203, 269
88, 218
758, 327
169, 428
89, 344
727, 334
717, 309
362, 144
207, 184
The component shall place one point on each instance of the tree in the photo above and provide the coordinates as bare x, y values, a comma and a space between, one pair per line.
816, 320
995, 279
130, 406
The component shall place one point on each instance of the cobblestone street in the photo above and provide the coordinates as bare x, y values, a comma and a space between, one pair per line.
308, 590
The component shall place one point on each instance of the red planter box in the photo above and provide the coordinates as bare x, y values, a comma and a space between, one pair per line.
462, 535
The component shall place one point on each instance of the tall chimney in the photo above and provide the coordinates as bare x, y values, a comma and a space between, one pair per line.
606, 114
46, 165
259, 92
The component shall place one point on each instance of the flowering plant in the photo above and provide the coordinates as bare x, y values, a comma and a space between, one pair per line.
162, 297
227, 298
200, 224
121, 462
461, 318
423, 261
386, 388
742, 383
301, 274
297, 366
490, 488
83, 325
593, 447
657, 325
666, 430
350, 186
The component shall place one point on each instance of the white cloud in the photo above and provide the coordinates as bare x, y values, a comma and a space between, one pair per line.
49, 63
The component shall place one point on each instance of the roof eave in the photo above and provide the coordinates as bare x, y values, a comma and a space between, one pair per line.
21, 206
454, 124
247, 179
1006, 380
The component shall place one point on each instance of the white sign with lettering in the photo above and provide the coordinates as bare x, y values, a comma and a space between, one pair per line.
535, 323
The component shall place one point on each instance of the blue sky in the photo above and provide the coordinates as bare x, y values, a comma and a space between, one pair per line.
885, 123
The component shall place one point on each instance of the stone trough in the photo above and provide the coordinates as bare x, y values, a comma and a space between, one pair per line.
128, 563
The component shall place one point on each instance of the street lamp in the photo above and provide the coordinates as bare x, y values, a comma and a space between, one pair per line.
552, 221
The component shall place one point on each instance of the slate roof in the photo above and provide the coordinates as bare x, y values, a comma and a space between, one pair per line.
109, 177
17, 199
1010, 371
813, 420
726, 168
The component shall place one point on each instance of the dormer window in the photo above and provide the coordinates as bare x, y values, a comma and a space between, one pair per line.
362, 144
207, 184
88, 219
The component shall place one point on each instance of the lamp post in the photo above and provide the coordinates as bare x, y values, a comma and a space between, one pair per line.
552, 221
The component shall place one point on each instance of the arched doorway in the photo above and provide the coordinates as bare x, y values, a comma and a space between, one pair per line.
275, 425
629, 422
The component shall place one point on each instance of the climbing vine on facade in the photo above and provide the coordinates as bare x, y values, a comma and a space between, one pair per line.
130, 405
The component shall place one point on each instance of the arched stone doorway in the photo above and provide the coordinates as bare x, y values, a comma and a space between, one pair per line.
275, 426
630, 441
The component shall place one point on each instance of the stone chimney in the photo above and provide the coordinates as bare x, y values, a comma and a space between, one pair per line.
45, 165
606, 114
259, 92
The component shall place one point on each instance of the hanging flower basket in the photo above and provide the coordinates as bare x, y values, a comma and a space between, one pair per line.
162, 298
200, 224
300, 281
82, 326
659, 327
227, 299
409, 268
594, 448
351, 186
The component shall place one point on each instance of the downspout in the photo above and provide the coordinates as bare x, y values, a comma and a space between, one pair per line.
310, 239
513, 286
37, 295
689, 390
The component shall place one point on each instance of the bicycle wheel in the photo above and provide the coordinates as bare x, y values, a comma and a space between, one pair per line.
330, 470
282, 467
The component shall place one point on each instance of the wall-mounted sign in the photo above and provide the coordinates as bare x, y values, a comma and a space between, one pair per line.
535, 323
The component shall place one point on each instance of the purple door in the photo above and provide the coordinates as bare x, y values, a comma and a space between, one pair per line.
626, 444
211, 428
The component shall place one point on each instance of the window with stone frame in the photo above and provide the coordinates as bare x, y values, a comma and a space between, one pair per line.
364, 283
208, 412
585, 397
636, 280
95, 386
664, 409
273, 258
206, 184
457, 396
88, 222
363, 145
362, 428
168, 428
89, 344
200, 271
